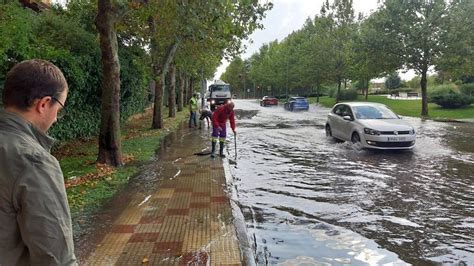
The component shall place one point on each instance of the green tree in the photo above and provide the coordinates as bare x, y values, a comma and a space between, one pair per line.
393, 81
344, 27
315, 67
413, 31
458, 54
369, 60
234, 75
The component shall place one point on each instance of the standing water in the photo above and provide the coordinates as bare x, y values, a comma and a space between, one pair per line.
309, 200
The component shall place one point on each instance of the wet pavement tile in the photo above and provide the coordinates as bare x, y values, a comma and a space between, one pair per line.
186, 221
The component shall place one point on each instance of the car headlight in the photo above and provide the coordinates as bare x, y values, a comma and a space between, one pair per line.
213, 102
412, 131
370, 131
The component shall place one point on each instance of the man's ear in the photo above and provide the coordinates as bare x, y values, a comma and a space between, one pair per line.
41, 104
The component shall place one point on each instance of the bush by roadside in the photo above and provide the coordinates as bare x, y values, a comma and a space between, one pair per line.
449, 96
467, 89
451, 99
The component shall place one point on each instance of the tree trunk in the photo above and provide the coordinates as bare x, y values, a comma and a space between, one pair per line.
110, 148
317, 92
191, 88
160, 72
172, 92
158, 106
339, 81
424, 96
180, 90
185, 89
366, 89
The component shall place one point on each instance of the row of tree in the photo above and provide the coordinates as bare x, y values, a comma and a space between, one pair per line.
162, 40
336, 47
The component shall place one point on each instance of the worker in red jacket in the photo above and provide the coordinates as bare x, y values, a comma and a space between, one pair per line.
219, 119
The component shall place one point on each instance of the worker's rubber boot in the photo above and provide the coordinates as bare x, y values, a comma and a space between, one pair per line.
213, 151
221, 149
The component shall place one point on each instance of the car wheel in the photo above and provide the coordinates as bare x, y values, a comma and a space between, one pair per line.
328, 131
355, 138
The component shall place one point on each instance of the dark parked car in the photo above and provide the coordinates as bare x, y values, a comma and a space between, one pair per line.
268, 100
296, 103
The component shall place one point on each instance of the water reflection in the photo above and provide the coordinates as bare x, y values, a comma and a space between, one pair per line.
413, 206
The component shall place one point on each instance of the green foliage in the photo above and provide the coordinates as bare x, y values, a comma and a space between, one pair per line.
458, 55
16, 36
58, 37
439, 90
344, 94
414, 83
467, 89
360, 85
451, 100
348, 95
393, 81
134, 79
236, 74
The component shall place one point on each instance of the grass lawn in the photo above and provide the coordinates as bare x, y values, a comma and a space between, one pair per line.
408, 107
98, 183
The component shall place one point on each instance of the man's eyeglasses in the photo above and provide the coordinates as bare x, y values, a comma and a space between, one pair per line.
61, 112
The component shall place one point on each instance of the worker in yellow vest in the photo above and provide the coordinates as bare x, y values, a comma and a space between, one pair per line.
193, 107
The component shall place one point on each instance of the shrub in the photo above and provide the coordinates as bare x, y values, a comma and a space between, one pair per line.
439, 90
346, 95
467, 89
451, 99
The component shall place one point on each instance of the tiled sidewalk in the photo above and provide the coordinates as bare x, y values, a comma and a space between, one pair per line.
187, 220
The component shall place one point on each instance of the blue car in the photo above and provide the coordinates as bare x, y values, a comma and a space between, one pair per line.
296, 103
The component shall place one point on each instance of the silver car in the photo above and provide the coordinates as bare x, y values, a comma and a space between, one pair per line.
373, 125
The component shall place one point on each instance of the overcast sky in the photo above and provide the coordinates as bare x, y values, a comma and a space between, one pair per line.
287, 16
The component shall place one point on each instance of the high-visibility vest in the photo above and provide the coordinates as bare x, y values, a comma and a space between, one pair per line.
193, 103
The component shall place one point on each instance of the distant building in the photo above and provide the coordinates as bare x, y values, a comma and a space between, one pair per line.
376, 86
37, 5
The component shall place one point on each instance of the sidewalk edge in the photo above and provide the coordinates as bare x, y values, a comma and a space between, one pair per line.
239, 220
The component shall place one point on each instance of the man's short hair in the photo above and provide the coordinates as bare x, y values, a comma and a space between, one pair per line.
30, 80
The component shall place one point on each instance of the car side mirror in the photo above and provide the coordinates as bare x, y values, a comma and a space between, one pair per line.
400, 117
347, 117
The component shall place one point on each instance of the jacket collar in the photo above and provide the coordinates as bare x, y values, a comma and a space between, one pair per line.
14, 122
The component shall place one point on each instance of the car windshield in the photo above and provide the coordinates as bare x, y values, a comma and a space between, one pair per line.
373, 112
220, 88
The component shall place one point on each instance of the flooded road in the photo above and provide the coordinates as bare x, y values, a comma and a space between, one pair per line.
308, 199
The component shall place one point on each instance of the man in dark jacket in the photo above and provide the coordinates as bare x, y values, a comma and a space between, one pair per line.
219, 119
205, 114
35, 221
